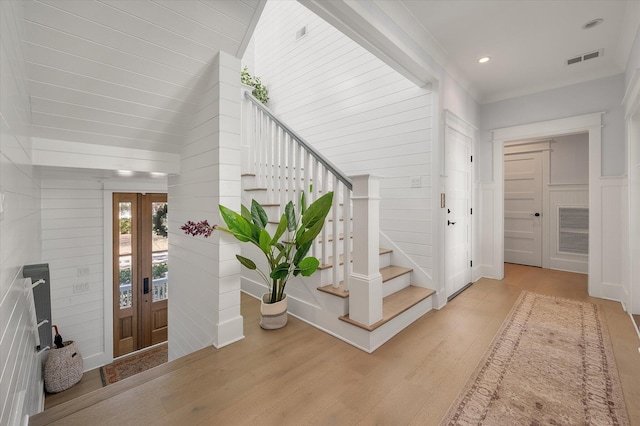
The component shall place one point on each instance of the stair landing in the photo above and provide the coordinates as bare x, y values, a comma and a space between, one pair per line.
394, 305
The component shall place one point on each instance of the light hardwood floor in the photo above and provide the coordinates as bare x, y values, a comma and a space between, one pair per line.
302, 376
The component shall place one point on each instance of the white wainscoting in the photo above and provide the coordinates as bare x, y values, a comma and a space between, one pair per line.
565, 196
614, 224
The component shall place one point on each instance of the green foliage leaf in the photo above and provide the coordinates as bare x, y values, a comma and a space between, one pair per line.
282, 226
244, 212
280, 271
301, 252
303, 203
238, 225
309, 234
258, 215
308, 266
265, 241
317, 211
247, 263
289, 211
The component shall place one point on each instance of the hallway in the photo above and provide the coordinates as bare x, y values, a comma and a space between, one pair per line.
300, 375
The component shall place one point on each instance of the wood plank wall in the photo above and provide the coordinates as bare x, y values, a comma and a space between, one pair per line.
357, 111
19, 225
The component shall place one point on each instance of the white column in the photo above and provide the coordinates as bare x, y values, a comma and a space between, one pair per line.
365, 285
204, 283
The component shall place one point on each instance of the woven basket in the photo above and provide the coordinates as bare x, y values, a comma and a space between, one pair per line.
63, 368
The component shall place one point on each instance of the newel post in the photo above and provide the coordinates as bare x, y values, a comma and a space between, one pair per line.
365, 285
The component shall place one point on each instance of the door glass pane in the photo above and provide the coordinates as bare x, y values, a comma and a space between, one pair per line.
159, 247
125, 254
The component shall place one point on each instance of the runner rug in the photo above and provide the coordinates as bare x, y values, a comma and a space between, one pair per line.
134, 364
551, 363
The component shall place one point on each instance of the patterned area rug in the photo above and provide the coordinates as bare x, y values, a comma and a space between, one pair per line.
551, 363
134, 364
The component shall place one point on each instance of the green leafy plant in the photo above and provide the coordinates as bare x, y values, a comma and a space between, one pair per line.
259, 91
159, 221
286, 250
158, 270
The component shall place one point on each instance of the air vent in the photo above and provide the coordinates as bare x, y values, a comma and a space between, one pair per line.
574, 60
301, 32
585, 57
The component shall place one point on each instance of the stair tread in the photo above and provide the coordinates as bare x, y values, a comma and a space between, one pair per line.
341, 259
336, 291
390, 272
394, 305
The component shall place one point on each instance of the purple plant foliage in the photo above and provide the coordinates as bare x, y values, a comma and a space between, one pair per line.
201, 228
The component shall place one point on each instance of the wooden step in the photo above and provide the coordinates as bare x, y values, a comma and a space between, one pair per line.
391, 272
388, 273
341, 259
394, 305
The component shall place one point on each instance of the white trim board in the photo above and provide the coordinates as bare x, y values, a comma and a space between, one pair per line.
591, 123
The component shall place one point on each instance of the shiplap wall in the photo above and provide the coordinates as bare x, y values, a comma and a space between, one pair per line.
76, 204
357, 111
21, 391
72, 242
204, 306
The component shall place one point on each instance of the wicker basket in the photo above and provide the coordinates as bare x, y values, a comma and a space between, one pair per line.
63, 368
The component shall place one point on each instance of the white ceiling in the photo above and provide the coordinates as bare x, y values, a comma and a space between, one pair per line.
528, 41
125, 73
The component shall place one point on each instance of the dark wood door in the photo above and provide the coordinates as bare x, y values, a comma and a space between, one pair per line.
140, 273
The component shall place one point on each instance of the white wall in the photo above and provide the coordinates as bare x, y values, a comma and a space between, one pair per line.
357, 111
569, 160
204, 306
603, 95
20, 386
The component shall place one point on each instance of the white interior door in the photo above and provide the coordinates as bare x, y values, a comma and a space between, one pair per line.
458, 208
523, 208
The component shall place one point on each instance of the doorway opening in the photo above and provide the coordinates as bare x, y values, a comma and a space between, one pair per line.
546, 202
590, 123
140, 272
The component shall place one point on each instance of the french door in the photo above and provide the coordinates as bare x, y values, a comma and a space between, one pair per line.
140, 273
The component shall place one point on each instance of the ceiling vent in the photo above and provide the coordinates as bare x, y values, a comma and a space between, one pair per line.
301, 33
585, 57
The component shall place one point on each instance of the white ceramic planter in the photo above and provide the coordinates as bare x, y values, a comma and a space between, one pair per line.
273, 315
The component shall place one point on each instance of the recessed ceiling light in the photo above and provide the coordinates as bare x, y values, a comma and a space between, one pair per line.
592, 23
484, 59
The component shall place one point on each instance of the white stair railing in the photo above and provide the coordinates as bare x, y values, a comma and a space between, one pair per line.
285, 164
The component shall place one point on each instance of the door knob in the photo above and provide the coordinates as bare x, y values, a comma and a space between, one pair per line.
536, 214
450, 223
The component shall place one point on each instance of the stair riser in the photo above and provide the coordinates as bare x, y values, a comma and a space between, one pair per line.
396, 284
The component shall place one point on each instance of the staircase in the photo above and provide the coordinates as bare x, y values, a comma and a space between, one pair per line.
360, 293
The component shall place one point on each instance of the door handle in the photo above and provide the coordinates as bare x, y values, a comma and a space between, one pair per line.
145, 285
450, 223
536, 214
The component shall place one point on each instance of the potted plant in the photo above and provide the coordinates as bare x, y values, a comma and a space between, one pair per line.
259, 90
285, 251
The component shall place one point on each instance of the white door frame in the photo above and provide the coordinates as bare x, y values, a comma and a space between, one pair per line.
631, 103
108, 189
590, 123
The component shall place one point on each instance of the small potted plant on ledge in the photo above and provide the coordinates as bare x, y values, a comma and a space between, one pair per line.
285, 251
